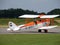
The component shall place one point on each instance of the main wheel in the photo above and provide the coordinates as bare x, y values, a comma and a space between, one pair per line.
45, 30
39, 30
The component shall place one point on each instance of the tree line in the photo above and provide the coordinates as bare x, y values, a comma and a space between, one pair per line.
14, 13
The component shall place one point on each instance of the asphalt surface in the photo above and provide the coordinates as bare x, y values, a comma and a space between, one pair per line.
30, 31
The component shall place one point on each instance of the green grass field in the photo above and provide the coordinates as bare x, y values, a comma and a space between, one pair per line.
5, 21
17, 21
29, 39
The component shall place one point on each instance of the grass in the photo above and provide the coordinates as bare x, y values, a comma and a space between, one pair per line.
17, 21
5, 21
29, 39
57, 21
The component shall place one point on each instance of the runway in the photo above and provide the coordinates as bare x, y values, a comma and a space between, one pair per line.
30, 31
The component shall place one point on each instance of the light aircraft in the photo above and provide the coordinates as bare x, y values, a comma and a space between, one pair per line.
39, 24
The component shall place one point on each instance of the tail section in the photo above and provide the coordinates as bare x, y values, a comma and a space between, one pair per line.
12, 26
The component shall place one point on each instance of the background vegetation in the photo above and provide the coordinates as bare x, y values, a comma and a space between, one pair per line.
14, 13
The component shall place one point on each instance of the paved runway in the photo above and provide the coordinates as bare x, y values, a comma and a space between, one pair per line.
30, 31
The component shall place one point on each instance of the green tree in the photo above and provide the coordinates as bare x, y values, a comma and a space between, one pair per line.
14, 13
54, 12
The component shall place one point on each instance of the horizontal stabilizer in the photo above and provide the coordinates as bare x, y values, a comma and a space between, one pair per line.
48, 27
8, 29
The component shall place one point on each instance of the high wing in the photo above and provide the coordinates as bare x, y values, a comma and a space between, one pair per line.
49, 16
28, 16
35, 16
47, 27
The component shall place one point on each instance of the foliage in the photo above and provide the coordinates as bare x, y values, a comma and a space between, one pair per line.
14, 13
54, 11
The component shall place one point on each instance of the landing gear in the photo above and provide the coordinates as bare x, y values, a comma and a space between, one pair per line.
39, 30
45, 30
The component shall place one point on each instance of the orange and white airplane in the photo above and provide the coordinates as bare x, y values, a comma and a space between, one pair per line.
39, 24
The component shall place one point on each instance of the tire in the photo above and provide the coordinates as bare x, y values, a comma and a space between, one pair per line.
45, 30
39, 30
